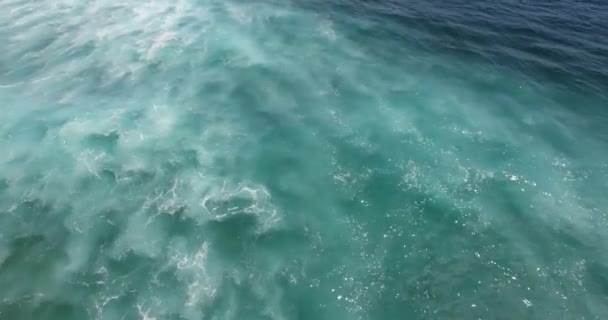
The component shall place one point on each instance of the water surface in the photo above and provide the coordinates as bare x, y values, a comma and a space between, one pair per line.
303, 159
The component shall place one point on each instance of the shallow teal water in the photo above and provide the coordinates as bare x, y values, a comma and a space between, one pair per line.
267, 160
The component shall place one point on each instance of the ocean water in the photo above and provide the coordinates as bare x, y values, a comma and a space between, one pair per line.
303, 159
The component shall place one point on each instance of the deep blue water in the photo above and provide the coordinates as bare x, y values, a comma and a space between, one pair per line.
303, 159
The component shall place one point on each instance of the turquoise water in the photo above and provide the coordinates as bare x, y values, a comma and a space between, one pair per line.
299, 160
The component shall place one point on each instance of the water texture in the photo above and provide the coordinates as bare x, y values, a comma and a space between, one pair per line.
303, 159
